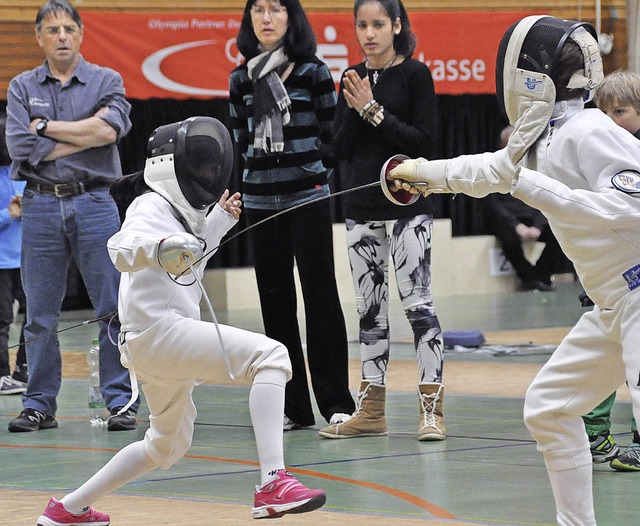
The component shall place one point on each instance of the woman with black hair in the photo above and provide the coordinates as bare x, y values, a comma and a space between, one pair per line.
282, 102
387, 106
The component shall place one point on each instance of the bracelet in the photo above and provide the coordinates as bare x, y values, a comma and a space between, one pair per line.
372, 110
377, 117
366, 107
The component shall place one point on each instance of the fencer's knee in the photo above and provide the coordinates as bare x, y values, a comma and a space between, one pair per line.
534, 411
272, 355
166, 454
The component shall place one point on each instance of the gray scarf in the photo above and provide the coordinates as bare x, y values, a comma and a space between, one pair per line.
271, 101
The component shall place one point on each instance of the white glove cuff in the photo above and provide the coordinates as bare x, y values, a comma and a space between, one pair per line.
434, 175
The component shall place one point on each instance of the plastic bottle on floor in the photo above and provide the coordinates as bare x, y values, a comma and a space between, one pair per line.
97, 406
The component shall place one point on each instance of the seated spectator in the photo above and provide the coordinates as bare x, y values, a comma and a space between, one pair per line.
513, 222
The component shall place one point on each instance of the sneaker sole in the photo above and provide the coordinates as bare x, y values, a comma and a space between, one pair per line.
359, 435
17, 390
610, 456
122, 428
25, 429
277, 511
431, 437
45, 521
619, 466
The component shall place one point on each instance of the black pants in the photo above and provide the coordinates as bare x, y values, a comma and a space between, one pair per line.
551, 261
10, 291
306, 237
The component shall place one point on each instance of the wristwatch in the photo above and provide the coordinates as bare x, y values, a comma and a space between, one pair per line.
41, 127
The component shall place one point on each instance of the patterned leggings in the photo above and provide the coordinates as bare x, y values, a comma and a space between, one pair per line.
408, 242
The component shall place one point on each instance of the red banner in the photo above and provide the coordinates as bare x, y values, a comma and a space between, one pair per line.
190, 55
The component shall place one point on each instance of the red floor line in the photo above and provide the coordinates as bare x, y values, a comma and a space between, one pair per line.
434, 510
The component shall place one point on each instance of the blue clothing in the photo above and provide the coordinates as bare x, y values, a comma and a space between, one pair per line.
38, 94
10, 236
53, 225
279, 180
56, 229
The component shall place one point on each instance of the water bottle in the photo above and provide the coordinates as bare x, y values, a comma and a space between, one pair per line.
97, 407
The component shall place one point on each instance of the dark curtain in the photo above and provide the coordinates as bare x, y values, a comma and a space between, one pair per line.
467, 124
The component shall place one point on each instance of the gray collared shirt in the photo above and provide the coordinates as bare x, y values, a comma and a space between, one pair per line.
38, 94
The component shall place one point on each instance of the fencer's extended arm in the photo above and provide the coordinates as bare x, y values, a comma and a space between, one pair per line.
475, 175
480, 174
605, 209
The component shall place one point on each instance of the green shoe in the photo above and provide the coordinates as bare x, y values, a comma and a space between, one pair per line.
603, 448
629, 460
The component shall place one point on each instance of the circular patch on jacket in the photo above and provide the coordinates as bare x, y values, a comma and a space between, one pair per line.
627, 181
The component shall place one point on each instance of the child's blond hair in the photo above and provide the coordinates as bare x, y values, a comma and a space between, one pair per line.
620, 88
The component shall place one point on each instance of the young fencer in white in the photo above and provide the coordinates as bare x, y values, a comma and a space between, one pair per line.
583, 172
163, 339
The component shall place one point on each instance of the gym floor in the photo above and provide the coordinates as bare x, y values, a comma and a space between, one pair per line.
487, 471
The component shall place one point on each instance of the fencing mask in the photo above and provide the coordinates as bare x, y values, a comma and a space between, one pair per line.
527, 69
189, 163
528, 56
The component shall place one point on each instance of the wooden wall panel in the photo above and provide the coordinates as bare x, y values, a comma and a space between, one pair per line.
19, 50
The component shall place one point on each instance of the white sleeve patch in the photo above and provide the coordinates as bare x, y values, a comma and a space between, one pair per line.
627, 181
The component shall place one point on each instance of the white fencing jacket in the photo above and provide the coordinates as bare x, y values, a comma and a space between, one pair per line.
584, 175
147, 292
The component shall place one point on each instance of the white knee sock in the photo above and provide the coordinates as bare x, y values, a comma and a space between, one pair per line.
266, 405
573, 492
128, 464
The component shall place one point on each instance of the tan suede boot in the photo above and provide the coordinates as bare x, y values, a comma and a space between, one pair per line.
368, 419
431, 418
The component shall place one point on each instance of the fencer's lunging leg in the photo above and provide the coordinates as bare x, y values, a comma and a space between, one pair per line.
128, 464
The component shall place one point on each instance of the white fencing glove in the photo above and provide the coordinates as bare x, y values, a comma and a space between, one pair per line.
174, 250
420, 176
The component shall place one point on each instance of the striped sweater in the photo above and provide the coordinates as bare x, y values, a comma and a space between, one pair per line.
279, 180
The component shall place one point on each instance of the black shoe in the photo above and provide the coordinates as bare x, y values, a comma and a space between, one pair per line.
124, 422
21, 373
537, 285
32, 420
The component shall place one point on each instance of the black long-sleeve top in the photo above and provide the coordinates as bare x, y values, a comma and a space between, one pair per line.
409, 127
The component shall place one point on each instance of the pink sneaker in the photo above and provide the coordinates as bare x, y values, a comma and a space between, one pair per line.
56, 515
284, 494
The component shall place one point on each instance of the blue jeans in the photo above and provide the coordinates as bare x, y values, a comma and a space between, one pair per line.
54, 230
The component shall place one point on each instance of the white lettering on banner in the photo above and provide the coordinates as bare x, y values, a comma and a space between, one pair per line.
151, 69
173, 25
208, 24
452, 70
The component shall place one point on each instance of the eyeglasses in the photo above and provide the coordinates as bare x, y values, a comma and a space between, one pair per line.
275, 11
54, 31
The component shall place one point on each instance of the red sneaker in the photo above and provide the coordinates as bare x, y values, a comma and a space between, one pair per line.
284, 494
55, 514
